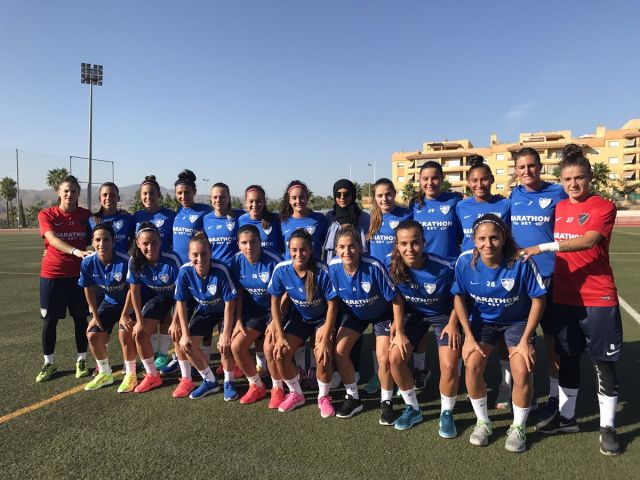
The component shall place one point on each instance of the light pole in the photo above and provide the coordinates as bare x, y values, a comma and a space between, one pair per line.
91, 75
373, 179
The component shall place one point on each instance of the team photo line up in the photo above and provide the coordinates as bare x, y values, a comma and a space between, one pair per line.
483, 271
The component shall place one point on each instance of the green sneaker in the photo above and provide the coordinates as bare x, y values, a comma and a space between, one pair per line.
47, 372
81, 369
161, 360
99, 381
516, 439
480, 434
129, 382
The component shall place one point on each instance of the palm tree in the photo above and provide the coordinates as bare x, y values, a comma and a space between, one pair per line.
600, 177
624, 187
55, 177
8, 191
358, 190
409, 192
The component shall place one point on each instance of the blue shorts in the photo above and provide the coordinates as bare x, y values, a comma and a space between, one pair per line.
416, 325
201, 324
490, 333
381, 325
157, 307
301, 328
257, 321
598, 330
109, 314
57, 295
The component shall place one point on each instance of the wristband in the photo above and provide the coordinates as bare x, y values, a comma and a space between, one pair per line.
73, 251
549, 247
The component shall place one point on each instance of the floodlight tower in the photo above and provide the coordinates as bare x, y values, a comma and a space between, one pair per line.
91, 75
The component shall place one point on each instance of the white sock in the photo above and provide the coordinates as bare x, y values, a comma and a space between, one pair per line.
505, 369
480, 408
207, 374
375, 362
385, 395
154, 341
206, 349
553, 387
185, 368
81, 356
352, 389
255, 380
261, 361
447, 403
567, 399
228, 376
49, 358
130, 367
164, 342
419, 360
103, 366
607, 410
300, 358
410, 398
150, 366
294, 385
277, 383
520, 415
323, 389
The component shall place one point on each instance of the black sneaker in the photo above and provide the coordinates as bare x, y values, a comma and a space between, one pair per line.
349, 407
549, 411
420, 378
558, 424
387, 415
609, 444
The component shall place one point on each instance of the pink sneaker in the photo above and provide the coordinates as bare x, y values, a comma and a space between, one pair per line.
326, 409
291, 401
277, 397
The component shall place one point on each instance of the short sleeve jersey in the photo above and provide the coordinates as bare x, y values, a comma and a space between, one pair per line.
285, 280
123, 226
468, 210
500, 295
381, 242
159, 278
314, 223
163, 220
584, 278
271, 237
442, 230
222, 233
109, 279
72, 228
368, 292
210, 292
254, 280
186, 223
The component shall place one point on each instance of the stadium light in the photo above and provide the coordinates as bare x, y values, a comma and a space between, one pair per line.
90, 75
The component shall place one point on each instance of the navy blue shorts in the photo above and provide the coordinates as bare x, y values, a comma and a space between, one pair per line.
381, 325
598, 330
57, 295
157, 307
416, 325
490, 333
109, 315
301, 328
201, 324
257, 321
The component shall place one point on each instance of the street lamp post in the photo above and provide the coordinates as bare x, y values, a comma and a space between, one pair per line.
91, 75
373, 179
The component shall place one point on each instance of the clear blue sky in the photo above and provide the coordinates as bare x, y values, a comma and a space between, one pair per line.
266, 91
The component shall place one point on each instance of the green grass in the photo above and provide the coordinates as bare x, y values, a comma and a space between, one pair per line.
102, 434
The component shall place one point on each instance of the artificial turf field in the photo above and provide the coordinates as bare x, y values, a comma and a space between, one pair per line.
104, 435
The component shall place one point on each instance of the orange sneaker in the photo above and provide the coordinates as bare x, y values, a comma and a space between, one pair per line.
254, 394
237, 373
277, 397
184, 388
148, 382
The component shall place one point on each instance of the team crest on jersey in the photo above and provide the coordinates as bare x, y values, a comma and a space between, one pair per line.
445, 209
268, 229
582, 219
264, 276
544, 202
193, 218
366, 286
159, 222
311, 229
231, 225
212, 289
508, 283
430, 287
117, 225
164, 278
393, 224
117, 276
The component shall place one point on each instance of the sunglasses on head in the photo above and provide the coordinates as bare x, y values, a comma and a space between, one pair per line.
343, 194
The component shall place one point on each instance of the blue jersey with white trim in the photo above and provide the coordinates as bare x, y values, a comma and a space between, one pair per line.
381, 242
500, 295
222, 233
271, 236
468, 210
159, 278
442, 230
186, 223
210, 292
163, 220
254, 280
368, 292
284, 279
110, 279
533, 220
428, 290
124, 229
315, 224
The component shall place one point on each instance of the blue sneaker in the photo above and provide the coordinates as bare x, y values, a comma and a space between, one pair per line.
207, 387
230, 392
408, 419
447, 427
171, 367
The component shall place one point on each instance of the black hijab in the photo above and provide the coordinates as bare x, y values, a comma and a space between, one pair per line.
351, 212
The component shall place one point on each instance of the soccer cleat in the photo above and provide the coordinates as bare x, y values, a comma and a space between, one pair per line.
207, 387
481, 433
609, 444
503, 402
171, 367
373, 385
99, 381
129, 382
409, 418
81, 369
420, 378
326, 409
148, 382
161, 361
46, 373
184, 388
254, 394
277, 397
230, 392
447, 427
516, 439
558, 424
387, 415
349, 407
549, 411
291, 401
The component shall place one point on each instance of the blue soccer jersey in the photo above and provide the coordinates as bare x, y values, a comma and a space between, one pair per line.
123, 226
428, 291
315, 223
533, 219
284, 279
368, 292
210, 292
498, 295
163, 220
271, 236
381, 242
109, 279
442, 230
159, 278
223, 235
254, 280
468, 210
187, 222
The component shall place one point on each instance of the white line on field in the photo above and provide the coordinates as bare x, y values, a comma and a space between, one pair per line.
629, 309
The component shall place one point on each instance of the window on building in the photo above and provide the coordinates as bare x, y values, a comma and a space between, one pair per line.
400, 164
613, 160
613, 143
499, 156
400, 179
500, 171
452, 162
454, 177
499, 186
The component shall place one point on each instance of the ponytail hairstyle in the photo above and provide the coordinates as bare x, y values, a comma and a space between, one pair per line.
399, 270
201, 238
376, 212
509, 249
573, 156
151, 180
266, 214
312, 268
186, 177
100, 213
73, 181
139, 260
348, 230
286, 210
425, 165
225, 187
477, 161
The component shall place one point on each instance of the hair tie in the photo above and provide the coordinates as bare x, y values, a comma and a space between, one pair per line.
299, 185
487, 220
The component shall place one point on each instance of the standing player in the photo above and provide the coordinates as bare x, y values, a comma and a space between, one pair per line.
162, 218
496, 295
221, 225
121, 221
585, 298
64, 228
189, 217
267, 223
